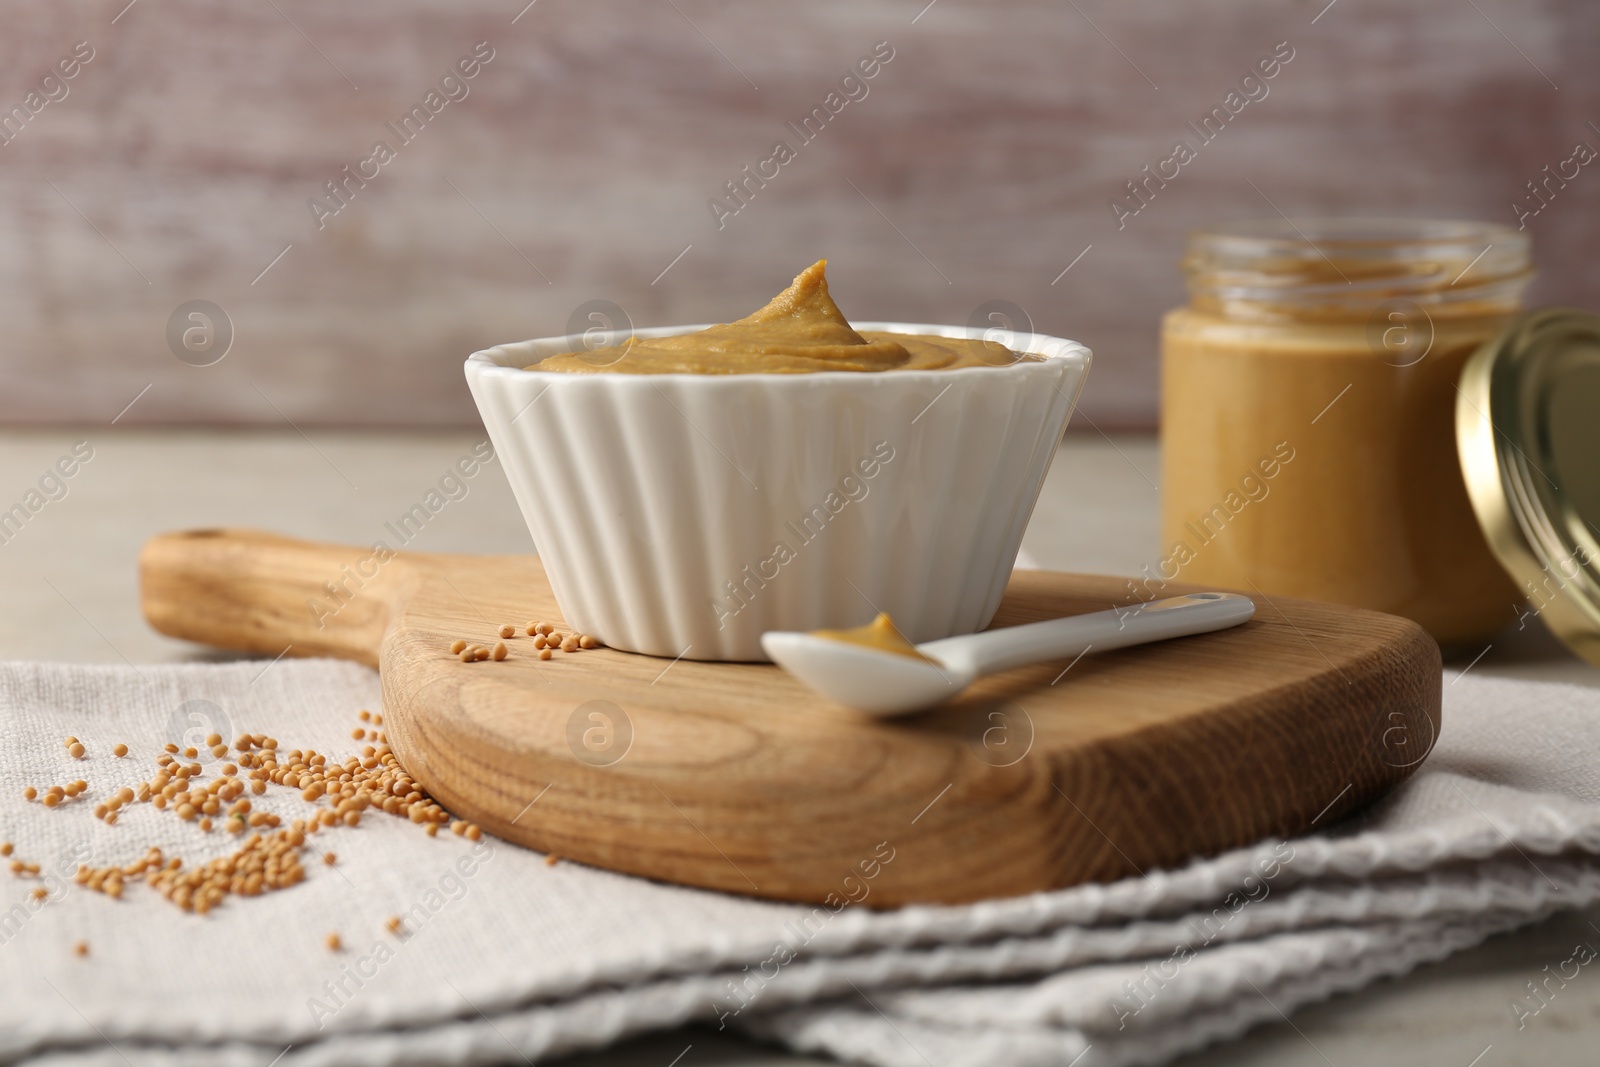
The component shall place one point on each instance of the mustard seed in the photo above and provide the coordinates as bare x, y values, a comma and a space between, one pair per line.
118, 751
213, 739
219, 751
554, 637
531, 629
539, 642
364, 715
467, 655
81, 948
333, 943
483, 653
551, 859
190, 753
377, 720
77, 749
358, 734
587, 641
330, 858
570, 645
29, 793
507, 630
456, 646
499, 650
40, 893
545, 654
393, 924
472, 832
543, 629
170, 747
6, 848
51, 800
69, 742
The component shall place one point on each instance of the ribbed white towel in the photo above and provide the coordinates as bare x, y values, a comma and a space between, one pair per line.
506, 957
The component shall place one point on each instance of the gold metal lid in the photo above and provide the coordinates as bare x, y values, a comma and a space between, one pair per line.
1528, 435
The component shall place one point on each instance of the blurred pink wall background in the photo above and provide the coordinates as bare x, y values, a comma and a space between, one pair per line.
978, 163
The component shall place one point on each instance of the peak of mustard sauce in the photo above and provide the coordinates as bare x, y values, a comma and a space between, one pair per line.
880, 634
801, 330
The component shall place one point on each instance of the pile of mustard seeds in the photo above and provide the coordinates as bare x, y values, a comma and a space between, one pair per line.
547, 639
269, 855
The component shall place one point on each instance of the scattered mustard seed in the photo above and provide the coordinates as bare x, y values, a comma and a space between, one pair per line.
77, 749
499, 650
333, 943
551, 859
531, 629
545, 653
118, 751
81, 948
507, 630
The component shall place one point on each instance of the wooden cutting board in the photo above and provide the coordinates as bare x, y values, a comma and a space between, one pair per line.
734, 777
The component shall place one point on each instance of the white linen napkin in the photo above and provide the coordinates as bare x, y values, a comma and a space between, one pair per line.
503, 956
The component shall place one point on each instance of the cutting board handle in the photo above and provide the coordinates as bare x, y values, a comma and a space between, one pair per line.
257, 592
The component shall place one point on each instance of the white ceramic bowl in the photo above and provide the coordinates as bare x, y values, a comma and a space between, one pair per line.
687, 514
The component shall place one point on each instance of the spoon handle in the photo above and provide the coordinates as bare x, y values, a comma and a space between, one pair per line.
1101, 631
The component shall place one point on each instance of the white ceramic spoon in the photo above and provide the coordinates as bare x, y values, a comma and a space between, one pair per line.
892, 683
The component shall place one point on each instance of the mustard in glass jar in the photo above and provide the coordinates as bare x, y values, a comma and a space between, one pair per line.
1308, 396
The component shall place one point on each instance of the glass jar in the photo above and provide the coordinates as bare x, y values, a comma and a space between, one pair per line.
1308, 395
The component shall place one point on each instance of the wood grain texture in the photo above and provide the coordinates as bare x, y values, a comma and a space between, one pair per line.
978, 167
736, 778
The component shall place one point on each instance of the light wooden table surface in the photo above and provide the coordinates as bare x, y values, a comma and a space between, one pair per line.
69, 583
